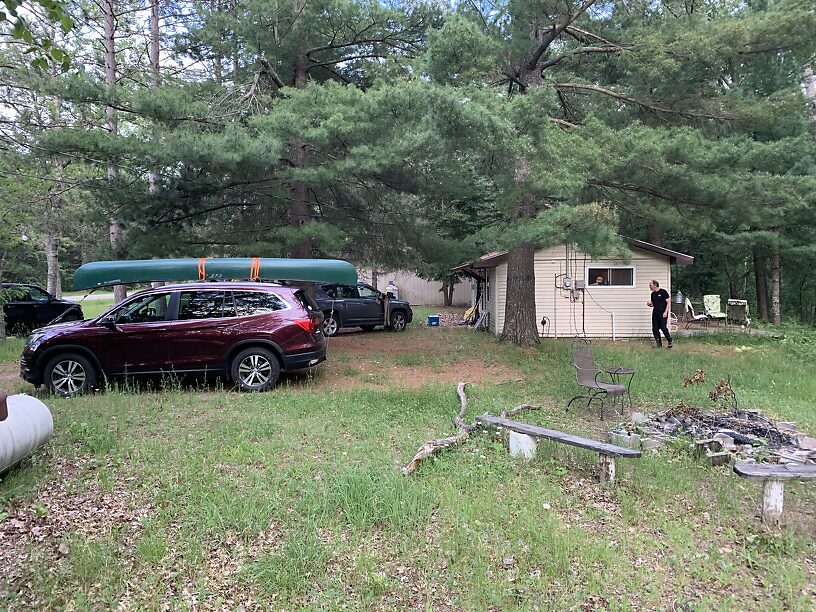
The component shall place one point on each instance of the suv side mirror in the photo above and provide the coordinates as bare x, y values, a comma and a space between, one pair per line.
108, 322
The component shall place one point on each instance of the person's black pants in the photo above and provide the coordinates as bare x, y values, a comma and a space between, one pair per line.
659, 324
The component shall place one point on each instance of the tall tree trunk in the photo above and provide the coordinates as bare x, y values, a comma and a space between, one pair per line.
655, 234
761, 278
215, 7
155, 81
520, 326
447, 292
109, 45
776, 273
299, 207
810, 89
54, 282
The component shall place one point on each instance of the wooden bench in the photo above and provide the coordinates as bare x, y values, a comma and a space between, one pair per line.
774, 477
523, 443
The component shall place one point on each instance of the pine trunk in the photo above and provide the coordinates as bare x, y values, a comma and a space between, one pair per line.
155, 81
299, 208
109, 44
519, 314
776, 273
761, 279
810, 89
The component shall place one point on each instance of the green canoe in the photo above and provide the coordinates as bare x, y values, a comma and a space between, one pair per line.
107, 273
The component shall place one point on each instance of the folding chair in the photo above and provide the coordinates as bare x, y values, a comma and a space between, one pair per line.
713, 308
694, 318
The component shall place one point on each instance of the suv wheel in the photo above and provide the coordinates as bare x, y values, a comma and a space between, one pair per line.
69, 374
255, 369
398, 321
331, 324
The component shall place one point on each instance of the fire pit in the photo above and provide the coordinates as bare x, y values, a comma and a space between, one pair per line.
741, 433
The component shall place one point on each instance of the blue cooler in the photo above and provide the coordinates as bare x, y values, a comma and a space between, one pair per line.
433, 320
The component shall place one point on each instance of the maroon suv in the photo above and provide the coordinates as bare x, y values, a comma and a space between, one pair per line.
247, 331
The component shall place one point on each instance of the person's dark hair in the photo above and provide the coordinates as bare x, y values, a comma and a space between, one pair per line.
656, 283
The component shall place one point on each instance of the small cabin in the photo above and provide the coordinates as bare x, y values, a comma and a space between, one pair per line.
577, 295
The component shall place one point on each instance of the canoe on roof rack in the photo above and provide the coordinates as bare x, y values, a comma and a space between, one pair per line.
107, 273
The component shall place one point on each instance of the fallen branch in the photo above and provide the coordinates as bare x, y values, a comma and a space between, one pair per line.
434, 447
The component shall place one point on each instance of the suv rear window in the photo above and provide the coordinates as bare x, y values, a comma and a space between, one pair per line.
257, 302
201, 305
305, 301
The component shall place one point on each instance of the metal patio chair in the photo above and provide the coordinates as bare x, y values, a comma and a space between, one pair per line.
588, 376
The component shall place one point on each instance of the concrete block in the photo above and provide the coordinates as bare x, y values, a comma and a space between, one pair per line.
640, 417
718, 458
651, 443
522, 445
624, 439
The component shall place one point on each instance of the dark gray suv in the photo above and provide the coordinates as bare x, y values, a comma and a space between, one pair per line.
359, 305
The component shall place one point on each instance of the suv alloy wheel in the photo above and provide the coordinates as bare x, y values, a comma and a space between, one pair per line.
69, 374
255, 369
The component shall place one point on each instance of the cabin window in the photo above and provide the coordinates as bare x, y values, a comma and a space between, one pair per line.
617, 276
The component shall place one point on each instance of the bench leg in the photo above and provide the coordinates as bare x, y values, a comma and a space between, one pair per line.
522, 445
607, 465
772, 502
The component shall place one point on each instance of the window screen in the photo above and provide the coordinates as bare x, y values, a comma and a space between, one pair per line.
256, 302
610, 277
201, 305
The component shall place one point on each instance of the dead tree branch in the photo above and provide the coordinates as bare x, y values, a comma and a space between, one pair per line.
434, 447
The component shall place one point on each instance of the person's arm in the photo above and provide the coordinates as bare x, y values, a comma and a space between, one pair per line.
668, 304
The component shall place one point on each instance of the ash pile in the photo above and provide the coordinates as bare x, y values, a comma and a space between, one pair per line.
731, 433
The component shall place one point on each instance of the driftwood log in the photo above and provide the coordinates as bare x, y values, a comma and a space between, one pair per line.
434, 447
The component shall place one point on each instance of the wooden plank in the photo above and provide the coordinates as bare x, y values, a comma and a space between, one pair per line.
772, 502
603, 448
765, 471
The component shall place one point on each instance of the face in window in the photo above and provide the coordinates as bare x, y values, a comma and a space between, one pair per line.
149, 309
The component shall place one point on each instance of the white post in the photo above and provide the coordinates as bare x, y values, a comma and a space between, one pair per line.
607, 465
614, 335
522, 445
772, 502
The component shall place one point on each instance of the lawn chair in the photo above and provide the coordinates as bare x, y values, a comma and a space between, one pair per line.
737, 311
694, 318
713, 308
588, 376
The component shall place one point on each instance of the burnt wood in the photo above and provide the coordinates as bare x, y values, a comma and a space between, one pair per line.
610, 450
764, 471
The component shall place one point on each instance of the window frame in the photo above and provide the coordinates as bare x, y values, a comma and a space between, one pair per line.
144, 300
609, 268
232, 293
202, 290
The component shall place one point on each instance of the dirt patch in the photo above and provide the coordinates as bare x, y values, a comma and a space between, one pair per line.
65, 505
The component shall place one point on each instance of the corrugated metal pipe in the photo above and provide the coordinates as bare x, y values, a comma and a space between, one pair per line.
25, 425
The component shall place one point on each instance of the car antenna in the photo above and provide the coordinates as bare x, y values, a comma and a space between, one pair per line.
59, 317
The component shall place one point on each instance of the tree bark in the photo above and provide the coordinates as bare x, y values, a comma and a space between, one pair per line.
54, 282
520, 326
299, 208
776, 274
155, 81
109, 45
761, 279
810, 89
447, 292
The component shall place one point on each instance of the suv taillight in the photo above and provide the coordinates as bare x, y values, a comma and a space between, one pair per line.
310, 325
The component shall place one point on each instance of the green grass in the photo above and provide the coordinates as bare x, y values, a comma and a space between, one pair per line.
294, 498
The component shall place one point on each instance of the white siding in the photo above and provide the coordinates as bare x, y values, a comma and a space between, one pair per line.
418, 291
593, 315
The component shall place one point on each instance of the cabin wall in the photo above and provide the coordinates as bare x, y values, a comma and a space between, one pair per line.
592, 314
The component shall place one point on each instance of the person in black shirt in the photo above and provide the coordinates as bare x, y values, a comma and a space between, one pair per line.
660, 302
